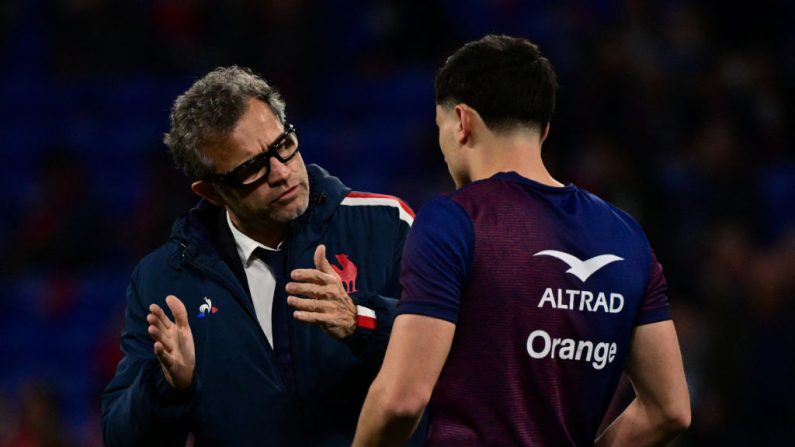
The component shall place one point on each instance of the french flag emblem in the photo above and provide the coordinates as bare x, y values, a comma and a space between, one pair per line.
365, 317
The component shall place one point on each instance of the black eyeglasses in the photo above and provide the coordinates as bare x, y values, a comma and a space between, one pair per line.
259, 166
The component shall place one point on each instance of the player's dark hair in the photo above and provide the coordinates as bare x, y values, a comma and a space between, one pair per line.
209, 110
506, 79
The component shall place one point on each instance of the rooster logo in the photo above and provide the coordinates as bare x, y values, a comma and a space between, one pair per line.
207, 308
347, 272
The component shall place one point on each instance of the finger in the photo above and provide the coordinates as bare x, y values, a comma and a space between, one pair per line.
163, 355
154, 332
311, 317
311, 291
306, 289
309, 305
311, 275
321, 263
158, 312
179, 311
160, 337
154, 320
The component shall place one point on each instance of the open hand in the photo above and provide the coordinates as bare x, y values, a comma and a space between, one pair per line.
173, 342
326, 302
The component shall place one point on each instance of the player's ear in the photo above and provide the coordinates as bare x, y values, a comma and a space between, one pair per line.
464, 121
545, 133
207, 190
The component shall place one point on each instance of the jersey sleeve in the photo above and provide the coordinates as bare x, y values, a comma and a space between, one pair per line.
436, 261
654, 307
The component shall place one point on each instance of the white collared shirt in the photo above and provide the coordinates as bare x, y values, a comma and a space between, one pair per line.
261, 281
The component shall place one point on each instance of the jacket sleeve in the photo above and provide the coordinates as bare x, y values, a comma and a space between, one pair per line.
139, 407
370, 344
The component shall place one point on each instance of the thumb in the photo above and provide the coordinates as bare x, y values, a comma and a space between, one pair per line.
179, 311
321, 263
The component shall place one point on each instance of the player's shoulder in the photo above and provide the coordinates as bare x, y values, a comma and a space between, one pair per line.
442, 209
617, 215
372, 203
478, 188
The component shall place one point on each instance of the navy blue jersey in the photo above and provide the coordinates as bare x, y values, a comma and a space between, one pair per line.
545, 285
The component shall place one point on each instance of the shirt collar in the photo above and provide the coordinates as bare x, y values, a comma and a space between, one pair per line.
513, 176
246, 245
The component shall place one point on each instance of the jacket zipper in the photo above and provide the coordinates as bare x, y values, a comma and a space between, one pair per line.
231, 288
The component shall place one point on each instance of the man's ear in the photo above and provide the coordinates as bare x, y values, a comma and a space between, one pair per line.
464, 116
207, 190
545, 133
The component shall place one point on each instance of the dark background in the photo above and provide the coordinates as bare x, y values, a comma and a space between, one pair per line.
679, 112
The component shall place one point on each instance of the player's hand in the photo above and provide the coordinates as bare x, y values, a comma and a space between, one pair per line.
326, 302
173, 342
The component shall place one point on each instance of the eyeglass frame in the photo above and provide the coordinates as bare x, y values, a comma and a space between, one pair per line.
229, 178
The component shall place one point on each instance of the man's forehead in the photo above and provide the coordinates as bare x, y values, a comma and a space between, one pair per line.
258, 112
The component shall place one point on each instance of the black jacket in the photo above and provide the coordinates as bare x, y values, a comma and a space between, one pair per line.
239, 397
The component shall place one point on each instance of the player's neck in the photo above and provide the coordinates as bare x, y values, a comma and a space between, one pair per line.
506, 154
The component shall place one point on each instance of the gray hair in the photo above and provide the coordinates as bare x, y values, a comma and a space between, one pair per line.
209, 110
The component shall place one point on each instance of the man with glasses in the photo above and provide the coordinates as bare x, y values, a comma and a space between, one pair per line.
239, 330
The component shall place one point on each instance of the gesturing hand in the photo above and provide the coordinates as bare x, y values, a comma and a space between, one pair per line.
173, 342
327, 303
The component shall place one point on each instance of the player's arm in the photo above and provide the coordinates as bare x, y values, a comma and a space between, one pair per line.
414, 359
435, 264
661, 409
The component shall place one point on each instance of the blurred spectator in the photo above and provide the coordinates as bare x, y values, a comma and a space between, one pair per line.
62, 227
95, 36
39, 422
164, 193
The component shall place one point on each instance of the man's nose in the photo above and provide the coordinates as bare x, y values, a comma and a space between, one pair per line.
279, 171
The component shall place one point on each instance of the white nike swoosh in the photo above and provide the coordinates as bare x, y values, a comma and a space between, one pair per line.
578, 268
